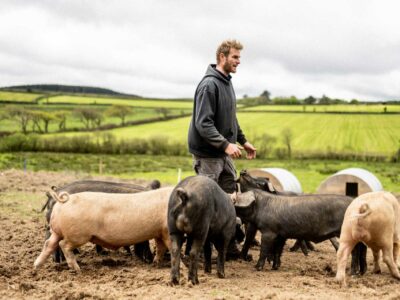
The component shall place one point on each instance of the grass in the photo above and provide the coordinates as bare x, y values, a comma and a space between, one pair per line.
73, 120
18, 97
310, 173
342, 133
79, 100
366, 108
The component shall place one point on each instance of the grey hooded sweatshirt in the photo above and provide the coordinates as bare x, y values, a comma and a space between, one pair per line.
214, 124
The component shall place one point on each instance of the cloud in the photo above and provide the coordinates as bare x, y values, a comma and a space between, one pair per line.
162, 48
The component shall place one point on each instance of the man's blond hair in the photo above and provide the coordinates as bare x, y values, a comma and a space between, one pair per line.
226, 46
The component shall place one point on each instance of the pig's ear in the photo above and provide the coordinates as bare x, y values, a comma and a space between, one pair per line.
245, 200
182, 194
271, 187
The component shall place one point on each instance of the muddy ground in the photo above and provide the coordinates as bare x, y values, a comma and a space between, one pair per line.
119, 276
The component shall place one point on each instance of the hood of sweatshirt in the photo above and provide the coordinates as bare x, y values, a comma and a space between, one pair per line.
213, 72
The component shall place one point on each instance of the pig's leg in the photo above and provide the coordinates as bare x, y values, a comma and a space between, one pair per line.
310, 246
160, 251
395, 253
355, 260
207, 256
267, 246
377, 267
334, 243
128, 250
363, 258
296, 246
387, 254
176, 245
100, 250
303, 247
250, 235
197, 246
49, 246
143, 251
280, 243
221, 245
68, 249
343, 253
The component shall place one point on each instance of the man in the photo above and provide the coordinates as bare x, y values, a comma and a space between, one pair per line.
214, 129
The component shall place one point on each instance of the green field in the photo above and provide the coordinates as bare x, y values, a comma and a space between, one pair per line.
18, 97
368, 108
78, 100
311, 132
73, 121
310, 173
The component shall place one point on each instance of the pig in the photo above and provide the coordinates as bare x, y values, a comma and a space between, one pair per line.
107, 219
247, 183
141, 250
200, 209
310, 217
358, 261
374, 219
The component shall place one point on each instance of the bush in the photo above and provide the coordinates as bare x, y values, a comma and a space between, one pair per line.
19, 142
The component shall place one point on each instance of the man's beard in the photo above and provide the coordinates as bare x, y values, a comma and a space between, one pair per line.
227, 67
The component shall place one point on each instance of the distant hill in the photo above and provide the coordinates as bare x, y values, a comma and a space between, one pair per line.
69, 89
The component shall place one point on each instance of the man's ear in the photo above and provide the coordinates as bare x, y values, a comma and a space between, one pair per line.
222, 57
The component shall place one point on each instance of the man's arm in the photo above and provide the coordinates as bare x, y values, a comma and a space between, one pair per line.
204, 119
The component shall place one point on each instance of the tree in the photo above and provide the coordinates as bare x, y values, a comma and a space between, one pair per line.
89, 116
119, 111
287, 136
47, 118
324, 100
61, 116
310, 100
265, 96
36, 118
354, 101
21, 115
163, 111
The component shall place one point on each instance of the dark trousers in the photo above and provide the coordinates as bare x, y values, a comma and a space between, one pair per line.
220, 169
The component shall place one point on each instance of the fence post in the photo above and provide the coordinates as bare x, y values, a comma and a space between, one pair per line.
179, 174
101, 165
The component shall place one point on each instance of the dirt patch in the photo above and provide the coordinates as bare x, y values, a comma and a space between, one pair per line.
119, 275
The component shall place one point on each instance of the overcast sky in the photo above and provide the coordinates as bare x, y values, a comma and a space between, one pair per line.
343, 49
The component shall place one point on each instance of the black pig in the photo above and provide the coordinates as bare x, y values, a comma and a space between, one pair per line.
199, 208
309, 217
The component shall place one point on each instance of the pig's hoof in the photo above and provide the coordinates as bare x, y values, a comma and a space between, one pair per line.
207, 269
259, 267
221, 274
173, 282
247, 257
377, 271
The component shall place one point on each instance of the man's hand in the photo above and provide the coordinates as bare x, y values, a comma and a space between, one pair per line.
233, 151
251, 151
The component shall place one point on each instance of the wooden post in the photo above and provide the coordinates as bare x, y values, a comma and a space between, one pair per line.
101, 165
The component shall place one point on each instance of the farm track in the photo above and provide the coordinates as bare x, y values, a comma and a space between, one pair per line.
118, 276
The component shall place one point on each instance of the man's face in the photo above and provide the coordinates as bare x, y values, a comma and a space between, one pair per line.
230, 63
